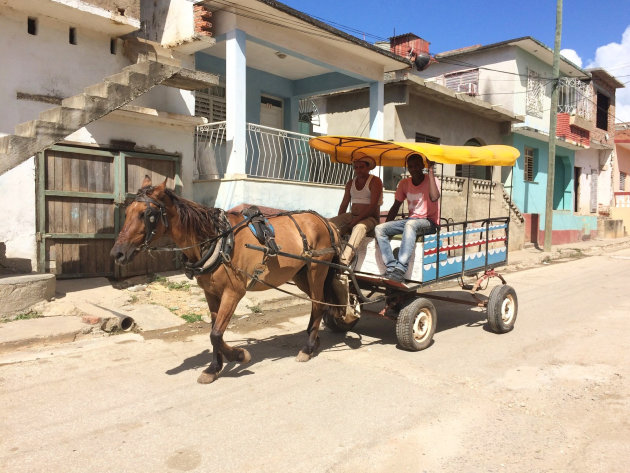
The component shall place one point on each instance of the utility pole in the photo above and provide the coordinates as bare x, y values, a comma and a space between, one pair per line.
553, 119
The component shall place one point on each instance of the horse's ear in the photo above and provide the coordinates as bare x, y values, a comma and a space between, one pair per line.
147, 181
160, 188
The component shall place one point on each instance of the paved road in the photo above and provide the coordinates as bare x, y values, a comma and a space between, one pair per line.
553, 395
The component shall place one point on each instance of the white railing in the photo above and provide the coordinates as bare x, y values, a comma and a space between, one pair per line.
575, 97
210, 151
270, 154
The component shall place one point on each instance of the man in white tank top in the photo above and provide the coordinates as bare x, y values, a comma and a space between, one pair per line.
365, 192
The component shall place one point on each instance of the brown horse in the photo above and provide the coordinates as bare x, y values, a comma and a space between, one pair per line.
202, 232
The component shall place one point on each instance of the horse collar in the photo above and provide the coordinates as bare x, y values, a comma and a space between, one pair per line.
218, 252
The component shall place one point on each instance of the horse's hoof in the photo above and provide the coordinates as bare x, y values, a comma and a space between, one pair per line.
244, 356
302, 357
207, 378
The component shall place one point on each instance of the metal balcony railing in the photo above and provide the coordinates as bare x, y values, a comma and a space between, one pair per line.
575, 97
270, 154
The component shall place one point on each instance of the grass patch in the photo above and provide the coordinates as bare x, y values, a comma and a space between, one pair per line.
190, 318
177, 286
133, 299
31, 314
256, 309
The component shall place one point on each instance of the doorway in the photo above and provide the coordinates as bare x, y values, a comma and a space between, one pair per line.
577, 172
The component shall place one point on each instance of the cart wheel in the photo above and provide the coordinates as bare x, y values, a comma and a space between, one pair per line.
416, 324
502, 308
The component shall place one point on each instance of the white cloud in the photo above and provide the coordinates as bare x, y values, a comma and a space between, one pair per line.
572, 56
615, 58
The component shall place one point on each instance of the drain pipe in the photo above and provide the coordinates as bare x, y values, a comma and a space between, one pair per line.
118, 323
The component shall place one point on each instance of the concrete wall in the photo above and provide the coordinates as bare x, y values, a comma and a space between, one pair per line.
47, 65
622, 214
621, 164
128, 8
405, 114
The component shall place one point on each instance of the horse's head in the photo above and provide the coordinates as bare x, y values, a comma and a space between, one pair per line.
145, 220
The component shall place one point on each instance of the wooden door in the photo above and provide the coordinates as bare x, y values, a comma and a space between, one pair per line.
81, 192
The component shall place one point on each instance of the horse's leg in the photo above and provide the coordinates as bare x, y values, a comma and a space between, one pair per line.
220, 319
316, 276
232, 354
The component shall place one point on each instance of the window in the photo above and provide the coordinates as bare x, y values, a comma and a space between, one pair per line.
603, 104
535, 94
622, 181
72, 35
529, 167
473, 171
422, 138
463, 81
31, 26
210, 103
112, 45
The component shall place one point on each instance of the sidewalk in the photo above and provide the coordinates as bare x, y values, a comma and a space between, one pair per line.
84, 308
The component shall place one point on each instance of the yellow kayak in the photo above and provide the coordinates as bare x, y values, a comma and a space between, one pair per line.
389, 153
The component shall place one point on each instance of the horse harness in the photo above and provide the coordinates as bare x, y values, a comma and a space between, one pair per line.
151, 217
218, 250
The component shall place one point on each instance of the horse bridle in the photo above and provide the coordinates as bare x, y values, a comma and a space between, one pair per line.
151, 217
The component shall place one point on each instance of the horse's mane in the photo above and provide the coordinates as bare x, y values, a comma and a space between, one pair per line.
195, 218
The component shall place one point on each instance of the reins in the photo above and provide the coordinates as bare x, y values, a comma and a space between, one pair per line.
153, 214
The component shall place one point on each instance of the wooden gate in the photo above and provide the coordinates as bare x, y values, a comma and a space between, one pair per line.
81, 196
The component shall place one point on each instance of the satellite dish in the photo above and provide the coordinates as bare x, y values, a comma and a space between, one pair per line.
422, 61
308, 112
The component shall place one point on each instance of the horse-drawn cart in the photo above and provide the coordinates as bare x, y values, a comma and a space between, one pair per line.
230, 253
472, 248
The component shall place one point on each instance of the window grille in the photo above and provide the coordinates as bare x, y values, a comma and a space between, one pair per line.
622, 181
210, 103
463, 81
575, 97
535, 94
529, 166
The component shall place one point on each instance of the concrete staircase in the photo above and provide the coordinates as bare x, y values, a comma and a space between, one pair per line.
79, 110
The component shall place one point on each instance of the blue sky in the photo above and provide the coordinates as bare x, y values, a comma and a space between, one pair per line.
594, 33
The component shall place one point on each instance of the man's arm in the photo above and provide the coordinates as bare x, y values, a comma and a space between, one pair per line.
346, 199
391, 215
434, 192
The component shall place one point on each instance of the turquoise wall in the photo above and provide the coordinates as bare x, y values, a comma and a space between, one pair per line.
531, 196
263, 83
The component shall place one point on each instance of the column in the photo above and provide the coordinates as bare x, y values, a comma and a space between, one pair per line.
377, 100
235, 87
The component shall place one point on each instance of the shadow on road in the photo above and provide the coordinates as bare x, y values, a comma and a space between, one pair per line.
281, 346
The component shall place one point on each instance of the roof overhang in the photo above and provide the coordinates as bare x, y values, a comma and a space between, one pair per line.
78, 12
288, 43
544, 136
526, 43
601, 75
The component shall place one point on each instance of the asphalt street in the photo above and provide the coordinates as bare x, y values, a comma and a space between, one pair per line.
552, 395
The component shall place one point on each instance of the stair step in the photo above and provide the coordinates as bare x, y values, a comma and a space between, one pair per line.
88, 103
137, 82
41, 129
11, 142
73, 118
108, 90
15, 150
